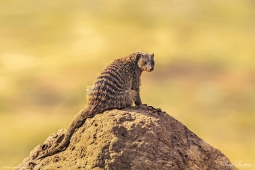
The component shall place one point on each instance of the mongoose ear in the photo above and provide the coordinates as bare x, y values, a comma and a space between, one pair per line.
138, 56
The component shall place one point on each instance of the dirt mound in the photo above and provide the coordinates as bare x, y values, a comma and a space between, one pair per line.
134, 138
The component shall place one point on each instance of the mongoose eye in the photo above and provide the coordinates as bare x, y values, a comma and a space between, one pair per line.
145, 62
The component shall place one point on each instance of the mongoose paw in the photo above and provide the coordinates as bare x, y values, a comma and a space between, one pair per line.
143, 106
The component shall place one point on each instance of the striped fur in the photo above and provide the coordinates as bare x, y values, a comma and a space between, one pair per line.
117, 87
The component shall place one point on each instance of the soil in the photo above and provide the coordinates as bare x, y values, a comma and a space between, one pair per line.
136, 138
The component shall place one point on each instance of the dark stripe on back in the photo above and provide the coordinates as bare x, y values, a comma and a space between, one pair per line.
116, 68
109, 80
110, 85
103, 90
116, 75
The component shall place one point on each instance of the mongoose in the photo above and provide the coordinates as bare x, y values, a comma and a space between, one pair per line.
117, 87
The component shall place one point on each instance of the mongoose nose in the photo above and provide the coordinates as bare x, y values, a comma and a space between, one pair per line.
151, 69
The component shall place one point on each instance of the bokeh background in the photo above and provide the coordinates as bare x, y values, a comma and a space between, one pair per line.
50, 51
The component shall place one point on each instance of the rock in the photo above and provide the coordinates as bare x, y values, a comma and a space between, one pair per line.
134, 138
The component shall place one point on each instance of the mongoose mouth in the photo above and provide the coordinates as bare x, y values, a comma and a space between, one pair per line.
150, 70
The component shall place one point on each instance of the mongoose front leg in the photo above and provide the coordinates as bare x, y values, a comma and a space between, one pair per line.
137, 98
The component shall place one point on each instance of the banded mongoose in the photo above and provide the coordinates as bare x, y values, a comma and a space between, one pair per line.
117, 87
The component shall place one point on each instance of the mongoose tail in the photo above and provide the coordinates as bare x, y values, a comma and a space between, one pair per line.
78, 121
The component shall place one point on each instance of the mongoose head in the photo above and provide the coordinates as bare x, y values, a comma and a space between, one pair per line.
145, 61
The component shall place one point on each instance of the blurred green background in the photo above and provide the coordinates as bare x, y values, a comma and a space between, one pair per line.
50, 51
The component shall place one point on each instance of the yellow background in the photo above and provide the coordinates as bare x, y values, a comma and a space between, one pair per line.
50, 51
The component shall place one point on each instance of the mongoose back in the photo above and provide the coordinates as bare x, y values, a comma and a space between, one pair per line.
117, 87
